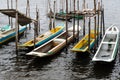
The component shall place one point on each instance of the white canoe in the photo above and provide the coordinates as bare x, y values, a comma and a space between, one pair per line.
54, 45
108, 46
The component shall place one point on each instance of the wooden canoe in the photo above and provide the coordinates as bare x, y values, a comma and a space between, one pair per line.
82, 45
53, 46
9, 34
43, 38
5, 28
108, 46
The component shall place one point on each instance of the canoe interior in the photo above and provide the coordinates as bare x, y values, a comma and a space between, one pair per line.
63, 36
105, 52
7, 32
84, 42
107, 47
48, 46
110, 38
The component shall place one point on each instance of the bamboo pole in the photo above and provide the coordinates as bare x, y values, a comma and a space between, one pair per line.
17, 27
54, 14
89, 25
95, 24
101, 32
98, 22
74, 22
11, 21
78, 19
8, 8
28, 11
50, 23
66, 23
103, 22
84, 21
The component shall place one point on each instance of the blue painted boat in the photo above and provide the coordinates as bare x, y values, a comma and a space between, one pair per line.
43, 38
9, 34
5, 28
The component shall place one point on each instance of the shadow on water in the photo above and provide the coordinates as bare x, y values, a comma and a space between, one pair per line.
80, 63
38, 63
102, 69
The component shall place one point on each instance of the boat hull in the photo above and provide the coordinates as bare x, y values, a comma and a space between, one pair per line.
108, 48
43, 38
53, 46
11, 35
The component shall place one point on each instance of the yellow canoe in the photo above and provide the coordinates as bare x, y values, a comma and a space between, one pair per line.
43, 38
82, 45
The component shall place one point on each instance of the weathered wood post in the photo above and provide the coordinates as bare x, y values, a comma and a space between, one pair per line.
74, 22
8, 8
78, 20
95, 24
89, 29
28, 11
84, 21
54, 14
17, 28
11, 17
50, 22
66, 23
98, 22
101, 21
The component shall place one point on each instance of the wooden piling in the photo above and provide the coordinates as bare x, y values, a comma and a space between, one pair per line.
28, 11
11, 21
8, 8
103, 22
89, 26
74, 22
54, 14
66, 23
84, 21
17, 27
78, 20
95, 25
98, 22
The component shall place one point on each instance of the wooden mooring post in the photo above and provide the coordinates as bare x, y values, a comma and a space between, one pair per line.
84, 19
95, 25
89, 32
17, 28
66, 23
11, 21
78, 20
74, 22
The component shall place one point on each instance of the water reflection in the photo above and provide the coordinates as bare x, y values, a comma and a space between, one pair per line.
103, 70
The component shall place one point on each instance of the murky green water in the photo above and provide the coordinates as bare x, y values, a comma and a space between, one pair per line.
64, 65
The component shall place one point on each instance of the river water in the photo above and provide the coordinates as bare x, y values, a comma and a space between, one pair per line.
64, 65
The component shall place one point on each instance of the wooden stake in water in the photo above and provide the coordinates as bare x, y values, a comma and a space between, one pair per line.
11, 17
54, 14
95, 24
101, 29
28, 11
78, 20
84, 21
89, 25
103, 22
98, 22
17, 27
74, 22
8, 8
66, 23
